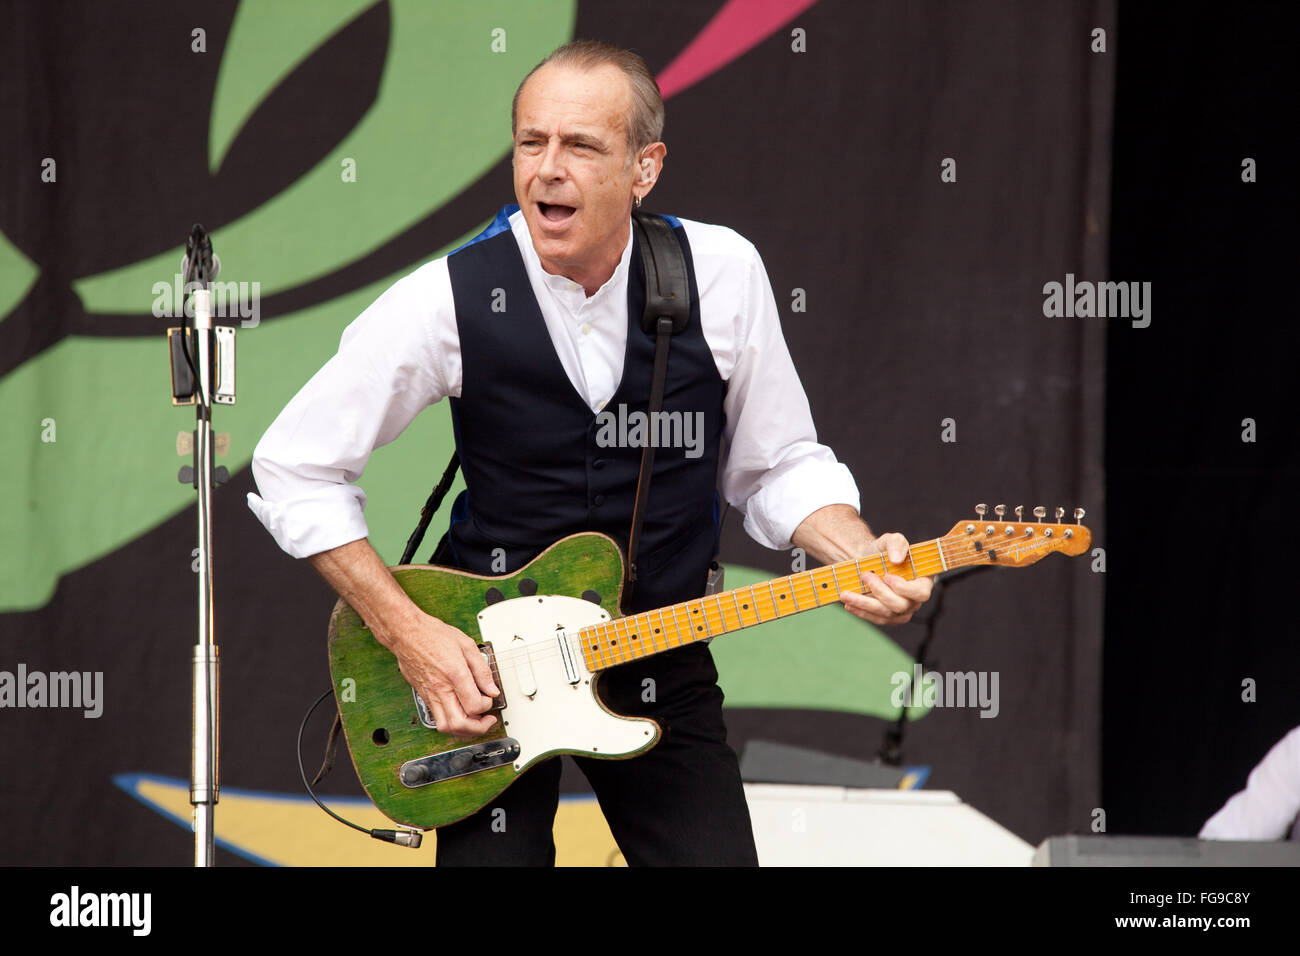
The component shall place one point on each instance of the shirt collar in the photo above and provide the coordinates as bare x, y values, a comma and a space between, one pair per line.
563, 285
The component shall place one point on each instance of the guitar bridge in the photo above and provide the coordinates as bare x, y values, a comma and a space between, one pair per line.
498, 703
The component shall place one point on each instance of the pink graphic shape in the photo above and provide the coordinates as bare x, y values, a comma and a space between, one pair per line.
733, 31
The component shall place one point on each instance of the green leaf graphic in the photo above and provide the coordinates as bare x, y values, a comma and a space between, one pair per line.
17, 274
252, 68
441, 119
110, 474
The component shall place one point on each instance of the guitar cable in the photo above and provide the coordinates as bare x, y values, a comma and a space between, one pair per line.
406, 838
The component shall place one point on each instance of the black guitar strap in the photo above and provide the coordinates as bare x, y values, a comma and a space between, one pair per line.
667, 311
426, 513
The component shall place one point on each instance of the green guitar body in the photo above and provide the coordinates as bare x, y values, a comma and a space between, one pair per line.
383, 725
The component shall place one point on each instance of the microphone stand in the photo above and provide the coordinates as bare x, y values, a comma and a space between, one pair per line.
203, 369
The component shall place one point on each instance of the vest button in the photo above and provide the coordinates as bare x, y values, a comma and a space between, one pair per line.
598, 500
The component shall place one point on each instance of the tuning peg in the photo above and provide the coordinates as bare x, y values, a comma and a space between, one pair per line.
1040, 512
1078, 515
999, 510
1060, 513
1020, 512
981, 510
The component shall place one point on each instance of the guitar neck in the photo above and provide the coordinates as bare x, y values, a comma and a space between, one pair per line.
630, 638
1008, 544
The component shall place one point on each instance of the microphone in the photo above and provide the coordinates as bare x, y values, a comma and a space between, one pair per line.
199, 254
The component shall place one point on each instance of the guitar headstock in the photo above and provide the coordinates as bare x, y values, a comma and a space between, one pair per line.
994, 540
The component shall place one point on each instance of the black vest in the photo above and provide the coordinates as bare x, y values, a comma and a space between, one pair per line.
538, 463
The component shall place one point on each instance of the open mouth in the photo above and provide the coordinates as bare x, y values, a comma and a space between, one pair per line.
555, 212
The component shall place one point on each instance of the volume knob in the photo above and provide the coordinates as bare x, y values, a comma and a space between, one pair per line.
414, 774
462, 761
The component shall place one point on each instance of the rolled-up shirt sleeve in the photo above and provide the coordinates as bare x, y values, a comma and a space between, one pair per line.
392, 362
1270, 804
776, 471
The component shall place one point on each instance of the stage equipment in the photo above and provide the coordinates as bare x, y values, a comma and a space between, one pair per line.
1163, 851
203, 372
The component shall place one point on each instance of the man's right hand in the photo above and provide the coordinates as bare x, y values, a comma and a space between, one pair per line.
442, 663
447, 670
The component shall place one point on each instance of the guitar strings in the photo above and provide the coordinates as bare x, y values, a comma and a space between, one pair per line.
800, 588
963, 547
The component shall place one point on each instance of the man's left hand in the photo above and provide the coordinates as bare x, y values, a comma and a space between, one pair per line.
889, 599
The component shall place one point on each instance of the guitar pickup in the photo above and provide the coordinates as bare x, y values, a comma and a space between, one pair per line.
498, 703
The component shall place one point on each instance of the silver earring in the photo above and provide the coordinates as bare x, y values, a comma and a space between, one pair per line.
637, 202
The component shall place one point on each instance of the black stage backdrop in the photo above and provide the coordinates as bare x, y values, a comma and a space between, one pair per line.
1201, 650
925, 303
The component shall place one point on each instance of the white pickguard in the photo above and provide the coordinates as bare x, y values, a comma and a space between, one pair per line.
544, 711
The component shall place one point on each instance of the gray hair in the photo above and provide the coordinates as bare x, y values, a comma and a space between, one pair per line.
645, 123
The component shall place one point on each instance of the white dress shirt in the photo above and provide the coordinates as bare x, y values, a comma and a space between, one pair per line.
1267, 807
403, 354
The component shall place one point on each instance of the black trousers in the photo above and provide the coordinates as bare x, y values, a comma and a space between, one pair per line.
679, 804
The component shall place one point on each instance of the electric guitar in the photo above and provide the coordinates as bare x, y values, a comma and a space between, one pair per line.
547, 647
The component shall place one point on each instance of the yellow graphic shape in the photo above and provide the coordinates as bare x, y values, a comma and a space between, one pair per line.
284, 830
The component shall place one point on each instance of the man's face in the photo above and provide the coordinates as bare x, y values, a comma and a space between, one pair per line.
573, 178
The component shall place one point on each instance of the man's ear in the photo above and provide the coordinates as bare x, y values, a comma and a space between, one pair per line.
651, 165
